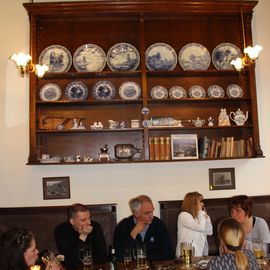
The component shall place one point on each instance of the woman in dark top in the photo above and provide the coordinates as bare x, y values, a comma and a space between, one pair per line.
18, 251
232, 236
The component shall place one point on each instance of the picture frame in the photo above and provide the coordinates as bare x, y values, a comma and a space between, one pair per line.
56, 188
184, 146
221, 178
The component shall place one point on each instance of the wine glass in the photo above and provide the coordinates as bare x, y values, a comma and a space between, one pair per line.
127, 258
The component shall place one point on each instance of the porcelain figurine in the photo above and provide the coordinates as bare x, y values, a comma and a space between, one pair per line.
210, 121
239, 117
223, 118
75, 124
198, 122
97, 125
78, 158
86, 158
122, 124
113, 124
81, 125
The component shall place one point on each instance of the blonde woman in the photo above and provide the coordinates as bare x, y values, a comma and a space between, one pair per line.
194, 224
232, 236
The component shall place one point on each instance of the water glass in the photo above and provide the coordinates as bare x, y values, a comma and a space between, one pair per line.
85, 255
141, 257
186, 253
127, 258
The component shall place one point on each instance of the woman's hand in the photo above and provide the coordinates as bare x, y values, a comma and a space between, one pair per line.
53, 266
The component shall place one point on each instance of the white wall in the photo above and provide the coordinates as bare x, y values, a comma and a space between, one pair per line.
21, 185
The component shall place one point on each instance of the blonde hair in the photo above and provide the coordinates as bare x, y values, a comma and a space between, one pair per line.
190, 203
232, 236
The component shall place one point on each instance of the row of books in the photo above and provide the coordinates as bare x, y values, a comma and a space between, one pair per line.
160, 148
227, 147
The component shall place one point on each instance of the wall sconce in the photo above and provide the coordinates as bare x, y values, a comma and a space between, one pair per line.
251, 54
24, 61
25, 65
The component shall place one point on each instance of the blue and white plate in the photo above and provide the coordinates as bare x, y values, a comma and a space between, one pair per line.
194, 56
76, 90
177, 92
57, 58
160, 56
123, 57
129, 91
215, 91
50, 92
103, 90
159, 92
196, 91
234, 91
89, 58
223, 54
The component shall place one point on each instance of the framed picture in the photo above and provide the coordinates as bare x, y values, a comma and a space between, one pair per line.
184, 146
56, 188
222, 178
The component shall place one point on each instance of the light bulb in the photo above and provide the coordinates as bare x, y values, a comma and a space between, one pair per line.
40, 70
237, 63
253, 52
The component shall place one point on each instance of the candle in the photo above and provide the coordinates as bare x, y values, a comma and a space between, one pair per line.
35, 267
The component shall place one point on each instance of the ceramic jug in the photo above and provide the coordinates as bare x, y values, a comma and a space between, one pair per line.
239, 117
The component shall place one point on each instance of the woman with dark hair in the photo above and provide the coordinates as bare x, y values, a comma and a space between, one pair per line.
194, 224
18, 251
254, 227
231, 237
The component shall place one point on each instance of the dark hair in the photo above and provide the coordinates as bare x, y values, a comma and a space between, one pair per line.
244, 202
75, 208
13, 245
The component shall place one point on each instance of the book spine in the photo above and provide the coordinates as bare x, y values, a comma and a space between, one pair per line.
151, 149
167, 148
162, 148
157, 148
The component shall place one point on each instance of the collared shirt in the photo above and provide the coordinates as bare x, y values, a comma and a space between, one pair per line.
142, 233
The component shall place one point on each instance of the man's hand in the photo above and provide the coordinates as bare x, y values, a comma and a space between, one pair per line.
139, 227
84, 231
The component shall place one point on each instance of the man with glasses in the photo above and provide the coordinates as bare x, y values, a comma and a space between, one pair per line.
78, 231
142, 227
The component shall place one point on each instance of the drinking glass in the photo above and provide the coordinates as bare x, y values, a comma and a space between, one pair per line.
85, 255
186, 253
127, 258
141, 257
49, 257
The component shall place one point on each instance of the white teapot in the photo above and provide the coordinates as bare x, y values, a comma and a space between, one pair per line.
239, 117
198, 122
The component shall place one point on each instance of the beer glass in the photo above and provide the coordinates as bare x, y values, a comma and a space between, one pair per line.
49, 257
186, 253
141, 257
85, 255
127, 258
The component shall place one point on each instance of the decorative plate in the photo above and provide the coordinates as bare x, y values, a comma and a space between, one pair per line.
223, 54
50, 92
160, 56
123, 57
215, 91
76, 91
89, 58
103, 90
159, 92
57, 58
194, 56
177, 92
196, 91
234, 91
129, 91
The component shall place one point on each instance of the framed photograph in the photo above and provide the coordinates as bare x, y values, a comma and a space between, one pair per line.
222, 178
184, 146
56, 188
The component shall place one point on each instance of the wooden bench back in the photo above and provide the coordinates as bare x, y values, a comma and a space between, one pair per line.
217, 210
42, 221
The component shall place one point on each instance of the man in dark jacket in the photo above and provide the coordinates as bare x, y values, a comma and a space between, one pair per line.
143, 228
78, 231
